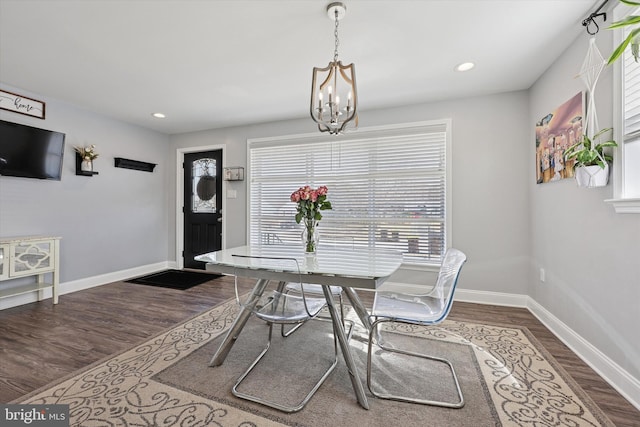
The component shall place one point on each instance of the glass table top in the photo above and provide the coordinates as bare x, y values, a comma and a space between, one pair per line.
337, 265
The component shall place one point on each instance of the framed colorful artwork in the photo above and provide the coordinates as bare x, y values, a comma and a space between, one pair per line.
555, 132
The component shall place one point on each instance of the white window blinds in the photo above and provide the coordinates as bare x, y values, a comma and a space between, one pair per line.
631, 97
387, 187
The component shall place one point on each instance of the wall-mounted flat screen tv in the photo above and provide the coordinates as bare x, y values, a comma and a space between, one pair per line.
30, 152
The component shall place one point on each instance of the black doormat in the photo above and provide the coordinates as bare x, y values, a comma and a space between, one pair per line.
174, 279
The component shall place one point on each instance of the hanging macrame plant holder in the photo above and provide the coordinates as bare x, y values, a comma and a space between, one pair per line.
594, 63
592, 176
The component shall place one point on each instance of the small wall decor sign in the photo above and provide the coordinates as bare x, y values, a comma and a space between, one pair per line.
21, 104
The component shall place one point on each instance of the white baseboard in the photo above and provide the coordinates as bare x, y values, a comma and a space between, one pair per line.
624, 383
463, 295
86, 283
492, 298
103, 279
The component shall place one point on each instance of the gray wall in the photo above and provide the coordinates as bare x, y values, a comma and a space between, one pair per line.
112, 221
507, 224
490, 200
590, 253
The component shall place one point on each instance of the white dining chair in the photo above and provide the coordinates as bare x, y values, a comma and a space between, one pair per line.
315, 290
419, 310
276, 306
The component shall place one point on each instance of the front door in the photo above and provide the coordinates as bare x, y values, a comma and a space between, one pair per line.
202, 205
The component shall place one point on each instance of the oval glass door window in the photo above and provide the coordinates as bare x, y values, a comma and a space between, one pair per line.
204, 186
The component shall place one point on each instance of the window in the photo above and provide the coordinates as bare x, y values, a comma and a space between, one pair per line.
627, 127
388, 187
631, 125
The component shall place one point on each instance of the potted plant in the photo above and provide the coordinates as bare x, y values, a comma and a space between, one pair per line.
633, 38
88, 155
591, 162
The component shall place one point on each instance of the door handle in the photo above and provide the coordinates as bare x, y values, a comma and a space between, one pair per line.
220, 219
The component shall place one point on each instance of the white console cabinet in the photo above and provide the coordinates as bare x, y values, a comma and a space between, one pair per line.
29, 256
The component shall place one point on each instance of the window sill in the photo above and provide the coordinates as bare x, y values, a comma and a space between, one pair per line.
622, 206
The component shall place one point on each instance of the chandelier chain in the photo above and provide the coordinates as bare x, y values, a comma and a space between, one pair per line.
335, 33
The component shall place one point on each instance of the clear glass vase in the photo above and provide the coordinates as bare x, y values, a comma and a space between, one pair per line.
310, 236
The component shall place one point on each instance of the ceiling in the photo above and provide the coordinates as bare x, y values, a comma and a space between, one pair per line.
213, 63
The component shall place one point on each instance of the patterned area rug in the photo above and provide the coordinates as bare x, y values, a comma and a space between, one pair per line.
508, 379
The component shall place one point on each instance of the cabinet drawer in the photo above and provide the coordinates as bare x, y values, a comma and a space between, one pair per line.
31, 257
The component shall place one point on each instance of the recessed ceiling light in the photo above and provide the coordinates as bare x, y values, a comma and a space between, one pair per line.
465, 66
158, 115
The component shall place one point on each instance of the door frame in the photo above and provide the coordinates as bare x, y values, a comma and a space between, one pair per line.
179, 224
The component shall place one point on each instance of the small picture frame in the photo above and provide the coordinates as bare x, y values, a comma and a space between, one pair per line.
21, 104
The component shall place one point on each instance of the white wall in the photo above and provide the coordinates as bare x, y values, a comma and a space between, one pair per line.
112, 221
490, 191
591, 254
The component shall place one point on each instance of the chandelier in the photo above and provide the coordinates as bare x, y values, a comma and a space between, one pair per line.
333, 84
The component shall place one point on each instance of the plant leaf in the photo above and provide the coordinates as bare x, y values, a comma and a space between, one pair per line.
605, 130
606, 144
629, 20
630, 3
620, 49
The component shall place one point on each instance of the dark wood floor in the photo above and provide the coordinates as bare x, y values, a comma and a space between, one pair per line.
41, 342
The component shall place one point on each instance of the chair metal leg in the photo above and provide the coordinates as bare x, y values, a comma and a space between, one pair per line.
379, 395
276, 405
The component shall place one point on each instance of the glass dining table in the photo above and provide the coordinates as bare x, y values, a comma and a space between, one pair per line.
345, 266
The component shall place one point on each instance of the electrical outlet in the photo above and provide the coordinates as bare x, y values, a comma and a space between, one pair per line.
542, 275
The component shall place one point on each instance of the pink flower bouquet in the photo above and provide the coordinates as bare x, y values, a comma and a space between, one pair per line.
310, 203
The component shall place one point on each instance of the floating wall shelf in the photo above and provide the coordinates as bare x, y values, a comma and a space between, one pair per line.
234, 173
79, 170
134, 164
